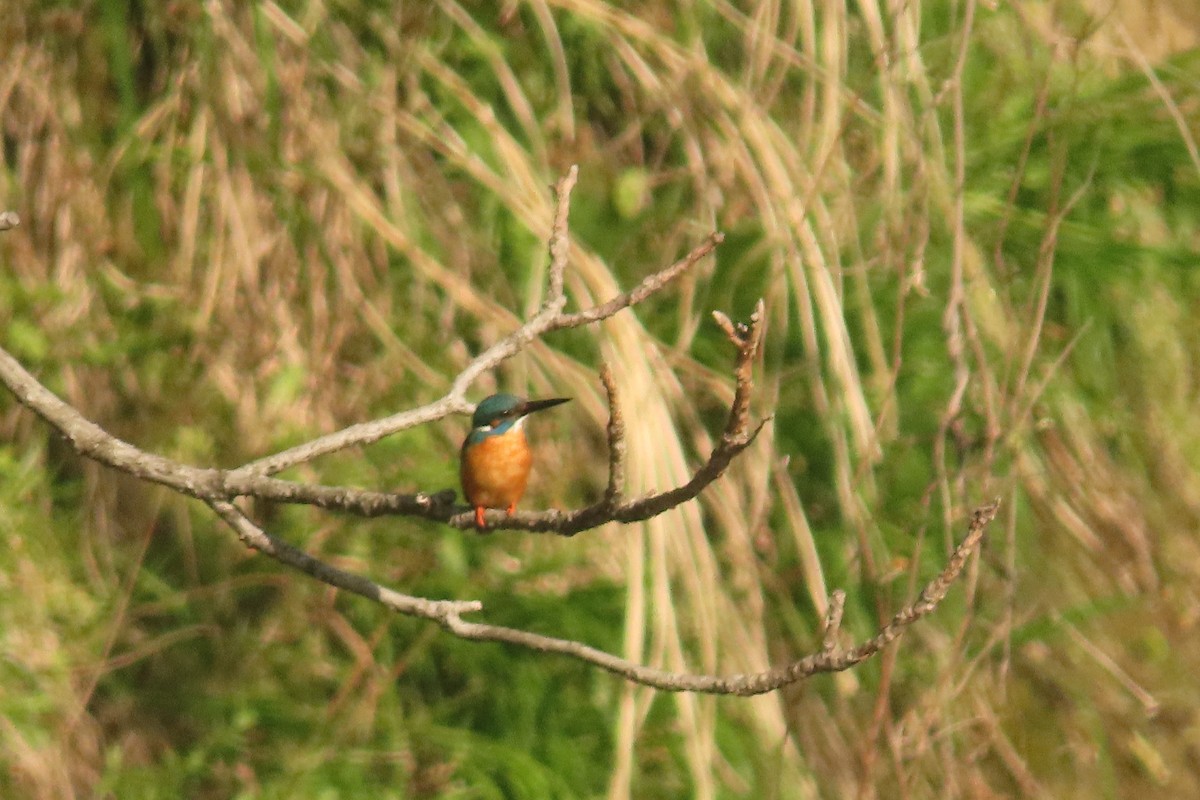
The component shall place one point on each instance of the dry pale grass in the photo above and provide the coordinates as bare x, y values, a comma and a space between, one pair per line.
312, 293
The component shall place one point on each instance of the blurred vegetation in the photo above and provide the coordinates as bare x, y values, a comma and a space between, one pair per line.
976, 228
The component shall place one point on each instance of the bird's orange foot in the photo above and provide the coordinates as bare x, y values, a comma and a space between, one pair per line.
512, 509
479, 517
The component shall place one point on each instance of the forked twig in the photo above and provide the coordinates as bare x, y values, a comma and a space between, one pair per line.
549, 318
829, 659
220, 488
449, 614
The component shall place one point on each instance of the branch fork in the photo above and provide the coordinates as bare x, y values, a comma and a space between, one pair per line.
220, 488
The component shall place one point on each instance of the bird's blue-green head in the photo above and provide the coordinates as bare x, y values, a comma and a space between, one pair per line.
500, 413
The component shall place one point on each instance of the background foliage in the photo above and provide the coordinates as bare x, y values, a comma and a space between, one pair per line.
975, 226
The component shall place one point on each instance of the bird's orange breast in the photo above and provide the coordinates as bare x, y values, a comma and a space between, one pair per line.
495, 471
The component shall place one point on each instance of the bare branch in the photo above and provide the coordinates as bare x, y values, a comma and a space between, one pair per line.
439, 507
436, 506
361, 434
258, 539
219, 488
833, 621
254, 479
737, 437
92, 441
637, 294
828, 660
448, 614
549, 318
746, 338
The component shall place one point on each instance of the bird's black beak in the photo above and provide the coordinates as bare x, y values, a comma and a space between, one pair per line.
530, 406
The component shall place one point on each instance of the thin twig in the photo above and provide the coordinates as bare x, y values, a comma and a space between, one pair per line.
258, 539
219, 488
449, 614
549, 318
92, 441
830, 660
360, 434
746, 338
637, 294
254, 479
833, 621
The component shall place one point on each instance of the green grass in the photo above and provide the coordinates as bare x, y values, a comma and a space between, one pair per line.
245, 228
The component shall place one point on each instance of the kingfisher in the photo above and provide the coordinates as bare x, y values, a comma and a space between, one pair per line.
495, 460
